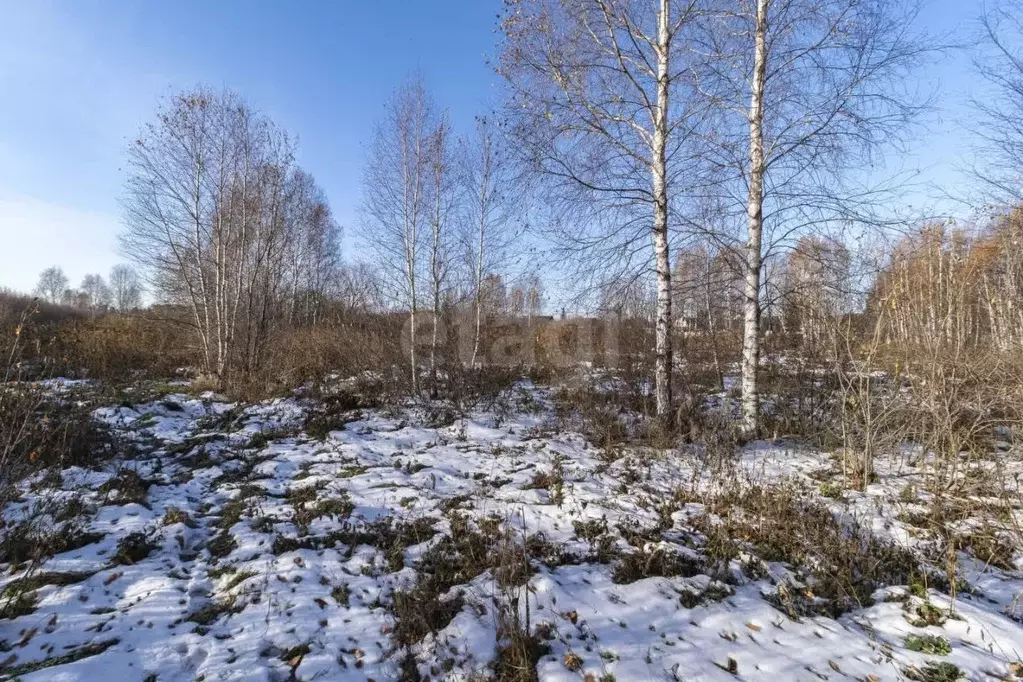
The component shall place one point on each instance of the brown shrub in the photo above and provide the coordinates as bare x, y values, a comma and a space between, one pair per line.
844, 562
116, 347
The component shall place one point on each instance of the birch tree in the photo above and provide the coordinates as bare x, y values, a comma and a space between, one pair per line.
125, 288
311, 248
394, 204
172, 212
599, 108
52, 283
96, 293
810, 94
755, 224
487, 213
212, 206
442, 202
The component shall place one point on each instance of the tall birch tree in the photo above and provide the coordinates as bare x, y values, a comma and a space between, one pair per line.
394, 203
441, 188
213, 209
810, 95
487, 213
599, 108
125, 288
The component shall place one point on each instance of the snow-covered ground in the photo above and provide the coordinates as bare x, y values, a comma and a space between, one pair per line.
234, 545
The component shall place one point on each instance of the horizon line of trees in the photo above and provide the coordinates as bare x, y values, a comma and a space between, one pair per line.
121, 291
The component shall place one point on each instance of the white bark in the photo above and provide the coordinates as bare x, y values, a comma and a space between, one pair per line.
211, 197
599, 112
483, 199
487, 229
755, 224
658, 168
395, 201
438, 221
412, 151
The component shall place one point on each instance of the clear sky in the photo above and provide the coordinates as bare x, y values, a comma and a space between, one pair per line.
78, 78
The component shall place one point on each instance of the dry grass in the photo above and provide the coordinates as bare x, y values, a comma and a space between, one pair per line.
844, 563
470, 549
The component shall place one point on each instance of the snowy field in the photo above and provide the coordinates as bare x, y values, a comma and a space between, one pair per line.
254, 543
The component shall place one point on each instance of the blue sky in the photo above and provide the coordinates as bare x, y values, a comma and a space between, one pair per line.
78, 78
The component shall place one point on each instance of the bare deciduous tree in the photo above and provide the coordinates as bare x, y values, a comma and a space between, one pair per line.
186, 167
755, 223
441, 189
1001, 130
52, 283
359, 288
807, 92
125, 288
311, 248
394, 204
95, 294
487, 213
215, 213
599, 108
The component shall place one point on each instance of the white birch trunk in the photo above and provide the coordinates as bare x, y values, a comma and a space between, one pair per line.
481, 234
662, 325
436, 264
755, 225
